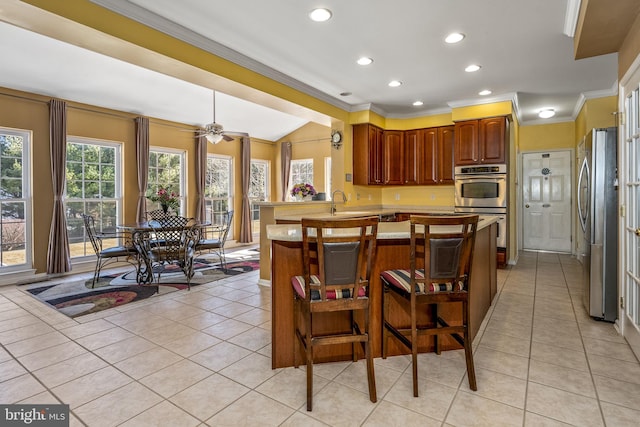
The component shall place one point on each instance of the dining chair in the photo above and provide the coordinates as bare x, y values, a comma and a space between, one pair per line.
163, 245
110, 254
440, 258
337, 257
214, 237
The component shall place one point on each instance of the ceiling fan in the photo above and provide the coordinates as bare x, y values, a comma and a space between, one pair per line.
214, 132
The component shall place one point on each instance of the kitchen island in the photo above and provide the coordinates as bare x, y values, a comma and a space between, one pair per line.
392, 252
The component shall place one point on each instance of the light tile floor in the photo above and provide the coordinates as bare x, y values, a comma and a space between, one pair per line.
202, 357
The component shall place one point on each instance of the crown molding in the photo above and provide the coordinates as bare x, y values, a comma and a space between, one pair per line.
612, 91
571, 17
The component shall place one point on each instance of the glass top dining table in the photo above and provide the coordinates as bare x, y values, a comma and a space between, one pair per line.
140, 230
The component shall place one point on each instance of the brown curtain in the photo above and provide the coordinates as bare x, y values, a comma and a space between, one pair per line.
58, 257
286, 167
201, 174
142, 159
246, 236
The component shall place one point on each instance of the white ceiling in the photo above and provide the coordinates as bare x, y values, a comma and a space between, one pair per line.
525, 57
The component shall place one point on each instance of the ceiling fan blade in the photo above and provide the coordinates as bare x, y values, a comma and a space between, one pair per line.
227, 137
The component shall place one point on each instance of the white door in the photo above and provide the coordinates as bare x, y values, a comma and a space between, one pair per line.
629, 173
546, 201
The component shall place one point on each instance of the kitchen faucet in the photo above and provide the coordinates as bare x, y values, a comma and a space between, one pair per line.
333, 200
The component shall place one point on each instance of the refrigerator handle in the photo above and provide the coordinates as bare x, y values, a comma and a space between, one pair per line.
584, 174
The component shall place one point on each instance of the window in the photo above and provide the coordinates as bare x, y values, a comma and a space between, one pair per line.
301, 173
15, 212
258, 190
166, 170
92, 188
218, 188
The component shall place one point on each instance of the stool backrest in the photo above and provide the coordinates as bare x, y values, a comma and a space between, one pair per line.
339, 253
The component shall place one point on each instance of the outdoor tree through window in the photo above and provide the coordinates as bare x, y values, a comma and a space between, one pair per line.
15, 247
92, 188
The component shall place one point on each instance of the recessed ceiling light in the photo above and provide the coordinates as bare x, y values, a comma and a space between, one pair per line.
418, 103
484, 92
395, 83
472, 68
364, 61
320, 15
547, 113
454, 38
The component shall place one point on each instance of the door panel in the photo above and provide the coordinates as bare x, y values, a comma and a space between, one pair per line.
629, 172
547, 201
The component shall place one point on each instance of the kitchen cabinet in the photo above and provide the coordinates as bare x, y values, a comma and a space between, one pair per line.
482, 141
367, 154
429, 156
393, 157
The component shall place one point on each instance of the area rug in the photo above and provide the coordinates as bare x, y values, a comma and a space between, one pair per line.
78, 298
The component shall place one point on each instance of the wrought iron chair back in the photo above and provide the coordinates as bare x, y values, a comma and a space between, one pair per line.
169, 244
125, 252
213, 238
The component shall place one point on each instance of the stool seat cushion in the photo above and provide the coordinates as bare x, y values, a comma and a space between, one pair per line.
401, 279
299, 288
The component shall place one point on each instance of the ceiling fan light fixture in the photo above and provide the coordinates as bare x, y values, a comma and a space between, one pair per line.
547, 113
320, 15
213, 138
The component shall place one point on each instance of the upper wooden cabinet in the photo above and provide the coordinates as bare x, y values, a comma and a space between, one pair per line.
413, 157
367, 154
481, 141
446, 138
393, 157
429, 156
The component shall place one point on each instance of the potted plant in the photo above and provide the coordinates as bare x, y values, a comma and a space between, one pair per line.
166, 198
303, 191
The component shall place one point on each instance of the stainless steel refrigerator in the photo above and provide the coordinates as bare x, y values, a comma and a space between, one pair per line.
598, 216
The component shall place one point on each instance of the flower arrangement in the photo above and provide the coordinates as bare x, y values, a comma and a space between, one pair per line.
303, 190
166, 198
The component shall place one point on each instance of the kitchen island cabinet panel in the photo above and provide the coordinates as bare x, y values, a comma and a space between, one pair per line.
286, 261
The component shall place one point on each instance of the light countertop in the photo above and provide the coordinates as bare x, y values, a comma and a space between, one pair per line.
386, 230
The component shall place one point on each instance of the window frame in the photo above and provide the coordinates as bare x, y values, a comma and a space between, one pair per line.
182, 187
255, 210
117, 199
292, 179
212, 215
27, 199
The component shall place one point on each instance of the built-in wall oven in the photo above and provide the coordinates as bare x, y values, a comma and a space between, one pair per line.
482, 189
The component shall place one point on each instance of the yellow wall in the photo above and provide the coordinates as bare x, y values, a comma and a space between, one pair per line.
547, 137
595, 113
311, 141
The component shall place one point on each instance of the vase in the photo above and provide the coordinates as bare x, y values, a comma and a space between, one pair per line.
165, 208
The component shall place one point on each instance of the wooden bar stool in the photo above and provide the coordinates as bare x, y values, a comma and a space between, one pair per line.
441, 254
337, 257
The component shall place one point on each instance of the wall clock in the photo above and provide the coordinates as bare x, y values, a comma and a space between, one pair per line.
336, 139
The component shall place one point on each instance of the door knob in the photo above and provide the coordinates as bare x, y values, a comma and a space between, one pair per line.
527, 205
637, 232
